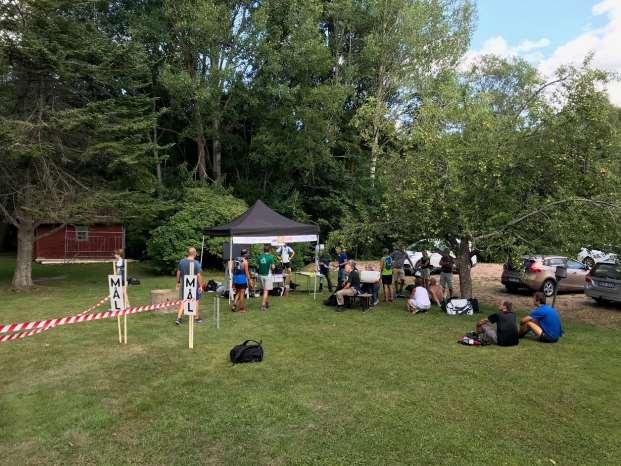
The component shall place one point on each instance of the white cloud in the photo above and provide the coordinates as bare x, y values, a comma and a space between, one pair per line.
604, 42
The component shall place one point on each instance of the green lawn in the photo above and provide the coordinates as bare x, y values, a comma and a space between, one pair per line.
384, 387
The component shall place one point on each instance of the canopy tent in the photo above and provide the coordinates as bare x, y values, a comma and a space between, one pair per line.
260, 224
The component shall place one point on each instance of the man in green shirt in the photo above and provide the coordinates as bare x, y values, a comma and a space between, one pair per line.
265, 263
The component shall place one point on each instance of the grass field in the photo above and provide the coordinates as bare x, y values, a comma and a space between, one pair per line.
383, 387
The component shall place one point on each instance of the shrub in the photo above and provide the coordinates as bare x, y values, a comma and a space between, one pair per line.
200, 209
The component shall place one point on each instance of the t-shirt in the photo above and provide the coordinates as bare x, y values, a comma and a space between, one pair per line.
446, 264
398, 258
184, 267
354, 279
265, 261
425, 262
549, 320
284, 252
342, 259
325, 262
506, 328
386, 265
421, 297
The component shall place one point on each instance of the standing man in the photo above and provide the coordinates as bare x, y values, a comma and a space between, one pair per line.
342, 260
399, 256
544, 321
241, 279
324, 269
351, 286
183, 269
266, 265
386, 268
425, 269
285, 254
446, 273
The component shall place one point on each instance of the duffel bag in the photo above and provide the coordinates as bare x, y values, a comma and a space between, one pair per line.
459, 307
248, 351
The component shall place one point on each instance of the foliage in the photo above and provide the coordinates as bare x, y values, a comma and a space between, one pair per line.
200, 209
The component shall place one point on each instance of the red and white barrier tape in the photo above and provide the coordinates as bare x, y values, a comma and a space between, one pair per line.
38, 326
101, 302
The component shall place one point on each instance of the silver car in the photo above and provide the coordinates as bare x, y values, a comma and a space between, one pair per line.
603, 282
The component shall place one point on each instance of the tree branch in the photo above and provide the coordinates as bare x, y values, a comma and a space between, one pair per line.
51, 232
542, 210
8, 216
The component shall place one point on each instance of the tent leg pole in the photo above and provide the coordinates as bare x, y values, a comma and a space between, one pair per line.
316, 268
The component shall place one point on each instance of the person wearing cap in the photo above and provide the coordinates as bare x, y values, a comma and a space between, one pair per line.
241, 278
184, 269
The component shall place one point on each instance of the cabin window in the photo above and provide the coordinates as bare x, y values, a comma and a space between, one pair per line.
81, 233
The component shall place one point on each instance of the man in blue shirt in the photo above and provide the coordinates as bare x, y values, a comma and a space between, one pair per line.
543, 321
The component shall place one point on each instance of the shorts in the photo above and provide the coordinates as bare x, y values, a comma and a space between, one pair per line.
490, 332
199, 293
425, 274
286, 265
398, 274
387, 279
544, 338
446, 280
266, 282
241, 286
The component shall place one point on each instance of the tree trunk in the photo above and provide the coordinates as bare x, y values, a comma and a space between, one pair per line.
202, 160
22, 279
217, 151
464, 264
156, 156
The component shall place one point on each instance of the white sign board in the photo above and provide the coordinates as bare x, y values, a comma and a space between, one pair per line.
117, 297
190, 285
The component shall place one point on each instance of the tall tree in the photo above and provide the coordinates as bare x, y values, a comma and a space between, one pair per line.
71, 112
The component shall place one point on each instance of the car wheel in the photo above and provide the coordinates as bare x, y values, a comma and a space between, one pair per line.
600, 301
589, 262
548, 287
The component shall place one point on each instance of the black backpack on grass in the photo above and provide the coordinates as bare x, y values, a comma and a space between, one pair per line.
246, 352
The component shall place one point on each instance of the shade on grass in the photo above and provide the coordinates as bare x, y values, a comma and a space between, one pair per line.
384, 387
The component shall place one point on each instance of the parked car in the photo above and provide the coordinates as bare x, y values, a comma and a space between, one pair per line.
590, 257
434, 248
603, 282
539, 274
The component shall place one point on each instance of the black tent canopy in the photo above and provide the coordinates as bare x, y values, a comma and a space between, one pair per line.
260, 224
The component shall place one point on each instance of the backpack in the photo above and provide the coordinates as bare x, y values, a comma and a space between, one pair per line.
387, 263
458, 307
212, 285
237, 265
245, 352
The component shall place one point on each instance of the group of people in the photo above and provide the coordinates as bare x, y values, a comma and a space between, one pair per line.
500, 328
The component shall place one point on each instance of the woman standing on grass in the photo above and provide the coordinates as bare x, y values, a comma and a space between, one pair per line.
386, 268
241, 278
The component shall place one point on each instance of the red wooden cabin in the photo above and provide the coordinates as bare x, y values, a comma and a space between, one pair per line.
78, 242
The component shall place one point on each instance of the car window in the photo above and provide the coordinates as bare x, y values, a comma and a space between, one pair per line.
572, 264
555, 262
607, 271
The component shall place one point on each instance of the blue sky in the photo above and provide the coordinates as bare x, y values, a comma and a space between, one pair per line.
551, 33
518, 20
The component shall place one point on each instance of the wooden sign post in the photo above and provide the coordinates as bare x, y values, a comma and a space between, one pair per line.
126, 298
117, 298
190, 286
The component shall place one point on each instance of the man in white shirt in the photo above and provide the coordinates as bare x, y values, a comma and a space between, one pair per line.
419, 299
285, 254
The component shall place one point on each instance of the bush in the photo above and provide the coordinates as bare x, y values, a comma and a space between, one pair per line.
200, 209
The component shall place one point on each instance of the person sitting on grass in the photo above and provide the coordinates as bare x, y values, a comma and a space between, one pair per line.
435, 292
266, 264
419, 299
351, 285
241, 278
386, 268
544, 322
505, 332
183, 269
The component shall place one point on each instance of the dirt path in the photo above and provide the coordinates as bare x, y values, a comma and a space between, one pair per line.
572, 306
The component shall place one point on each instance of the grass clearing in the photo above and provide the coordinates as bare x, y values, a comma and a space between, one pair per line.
384, 387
